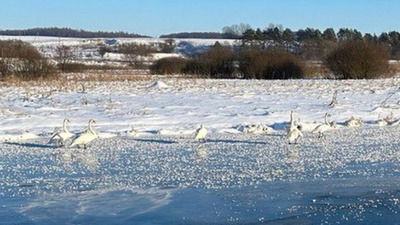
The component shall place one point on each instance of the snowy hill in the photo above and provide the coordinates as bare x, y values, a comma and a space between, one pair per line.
87, 49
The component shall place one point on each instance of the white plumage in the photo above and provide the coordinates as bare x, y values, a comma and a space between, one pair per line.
62, 136
293, 132
353, 122
86, 137
320, 129
382, 122
201, 134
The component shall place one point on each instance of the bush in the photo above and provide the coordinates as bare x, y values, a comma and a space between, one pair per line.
218, 62
170, 65
18, 49
197, 67
23, 61
271, 64
358, 60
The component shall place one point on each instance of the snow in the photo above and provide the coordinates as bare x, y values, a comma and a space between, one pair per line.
146, 167
86, 50
184, 104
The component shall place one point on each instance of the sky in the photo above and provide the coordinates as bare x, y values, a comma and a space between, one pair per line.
157, 17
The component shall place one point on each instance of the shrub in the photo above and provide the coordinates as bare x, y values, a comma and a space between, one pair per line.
35, 69
218, 62
358, 60
23, 61
63, 55
169, 65
18, 49
196, 67
270, 64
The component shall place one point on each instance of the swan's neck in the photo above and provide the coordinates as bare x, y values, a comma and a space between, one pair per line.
291, 119
65, 127
326, 119
90, 128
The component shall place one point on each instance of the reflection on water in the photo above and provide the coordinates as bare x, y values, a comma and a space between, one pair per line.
293, 160
84, 157
104, 206
201, 152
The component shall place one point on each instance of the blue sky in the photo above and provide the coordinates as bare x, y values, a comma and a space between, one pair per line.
156, 17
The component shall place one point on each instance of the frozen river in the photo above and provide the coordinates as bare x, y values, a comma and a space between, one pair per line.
349, 176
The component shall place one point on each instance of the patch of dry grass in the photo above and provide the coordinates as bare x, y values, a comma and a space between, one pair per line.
109, 76
395, 67
77, 81
317, 70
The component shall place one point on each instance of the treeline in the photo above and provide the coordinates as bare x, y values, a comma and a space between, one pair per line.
310, 43
315, 44
68, 32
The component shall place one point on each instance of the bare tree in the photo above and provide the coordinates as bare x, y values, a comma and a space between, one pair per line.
63, 55
168, 46
134, 53
237, 29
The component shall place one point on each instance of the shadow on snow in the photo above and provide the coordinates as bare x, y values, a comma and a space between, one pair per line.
32, 145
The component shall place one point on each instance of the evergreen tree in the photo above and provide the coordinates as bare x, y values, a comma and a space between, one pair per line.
329, 35
345, 34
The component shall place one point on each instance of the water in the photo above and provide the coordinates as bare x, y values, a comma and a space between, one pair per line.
347, 177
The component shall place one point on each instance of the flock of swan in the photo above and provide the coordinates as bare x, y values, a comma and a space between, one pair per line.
79, 140
294, 131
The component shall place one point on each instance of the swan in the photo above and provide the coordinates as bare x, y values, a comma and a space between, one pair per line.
86, 137
293, 133
320, 129
353, 122
62, 136
254, 128
132, 132
201, 134
384, 121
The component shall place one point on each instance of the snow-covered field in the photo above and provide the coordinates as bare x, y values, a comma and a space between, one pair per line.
86, 50
245, 172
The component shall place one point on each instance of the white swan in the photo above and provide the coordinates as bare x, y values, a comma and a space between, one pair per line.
132, 132
293, 132
201, 134
86, 137
62, 136
384, 121
353, 122
320, 129
254, 128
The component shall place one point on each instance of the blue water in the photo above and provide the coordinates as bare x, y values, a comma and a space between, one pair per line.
228, 180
